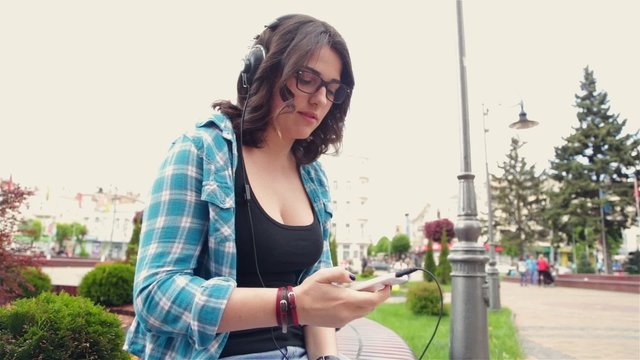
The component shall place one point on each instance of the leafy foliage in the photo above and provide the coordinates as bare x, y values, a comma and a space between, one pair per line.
12, 196
400, 244
36, 282
383, 245
434, 230
424, 298
633, 263
520, 202
593, 169
108, 284
60, 326
31, 228
74, 231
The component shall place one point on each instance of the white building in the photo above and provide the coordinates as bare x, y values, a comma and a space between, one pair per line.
350, 191
107, 215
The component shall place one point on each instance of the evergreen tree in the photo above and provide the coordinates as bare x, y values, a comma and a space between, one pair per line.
333, 249
429, 262
132, 247
593, 169
444, 266
519, 202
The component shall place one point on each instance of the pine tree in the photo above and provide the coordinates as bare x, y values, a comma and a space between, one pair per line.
132, 248
519, 202
429, 262
593, 169
444, 266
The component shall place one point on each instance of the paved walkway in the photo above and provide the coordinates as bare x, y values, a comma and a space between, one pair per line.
569, 323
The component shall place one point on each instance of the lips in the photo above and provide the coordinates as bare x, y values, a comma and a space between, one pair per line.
308, 115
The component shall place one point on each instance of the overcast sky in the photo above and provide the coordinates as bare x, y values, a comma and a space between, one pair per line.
92, 93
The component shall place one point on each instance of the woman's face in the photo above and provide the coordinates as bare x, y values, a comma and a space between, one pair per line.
310, 109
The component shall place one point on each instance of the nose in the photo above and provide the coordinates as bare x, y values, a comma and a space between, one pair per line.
320, 96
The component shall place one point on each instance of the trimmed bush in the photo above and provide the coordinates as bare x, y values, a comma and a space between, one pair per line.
109, 284
368, 271
59, 326
424, 298
37, 282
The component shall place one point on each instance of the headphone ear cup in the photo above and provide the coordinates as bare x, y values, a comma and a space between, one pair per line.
252, 62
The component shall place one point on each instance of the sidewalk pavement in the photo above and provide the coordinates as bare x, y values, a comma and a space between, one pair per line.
569, 323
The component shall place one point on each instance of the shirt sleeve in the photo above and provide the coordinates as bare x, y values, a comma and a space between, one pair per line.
169, 299
315, 179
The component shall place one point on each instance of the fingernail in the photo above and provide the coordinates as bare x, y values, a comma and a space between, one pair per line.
352, 276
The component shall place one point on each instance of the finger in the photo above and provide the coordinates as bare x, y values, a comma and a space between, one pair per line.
334, 275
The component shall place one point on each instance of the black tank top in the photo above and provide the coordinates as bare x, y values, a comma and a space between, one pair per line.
283, 252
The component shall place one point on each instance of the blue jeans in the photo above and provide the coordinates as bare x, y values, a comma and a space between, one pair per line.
292, 352
523, 278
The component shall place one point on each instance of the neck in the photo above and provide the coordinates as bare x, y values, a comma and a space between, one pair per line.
275, 151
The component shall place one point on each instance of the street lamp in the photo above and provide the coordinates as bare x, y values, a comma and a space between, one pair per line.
469, 337
523, 122
492, 271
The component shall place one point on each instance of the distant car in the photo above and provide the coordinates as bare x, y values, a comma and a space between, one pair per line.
379, 265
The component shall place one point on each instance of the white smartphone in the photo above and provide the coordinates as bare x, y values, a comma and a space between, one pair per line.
378, 282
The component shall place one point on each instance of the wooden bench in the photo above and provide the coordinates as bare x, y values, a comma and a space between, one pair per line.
366, 339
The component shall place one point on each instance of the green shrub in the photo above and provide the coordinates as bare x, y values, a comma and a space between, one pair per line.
424, 298
108, 284
585, 266
59, 326
368, 271
36, 282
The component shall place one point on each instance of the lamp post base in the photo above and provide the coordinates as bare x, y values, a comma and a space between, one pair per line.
494, 287
469, 336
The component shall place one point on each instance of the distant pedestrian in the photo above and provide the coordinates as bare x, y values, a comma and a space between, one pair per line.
522, 270
532, 268
543, 272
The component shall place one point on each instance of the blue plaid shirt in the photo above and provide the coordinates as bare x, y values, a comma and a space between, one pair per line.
187, 254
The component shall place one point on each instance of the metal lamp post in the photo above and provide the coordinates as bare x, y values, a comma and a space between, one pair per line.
492, 272
469, 337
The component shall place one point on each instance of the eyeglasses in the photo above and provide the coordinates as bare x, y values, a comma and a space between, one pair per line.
309, 83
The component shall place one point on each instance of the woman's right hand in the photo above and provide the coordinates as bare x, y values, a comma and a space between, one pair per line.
322, 303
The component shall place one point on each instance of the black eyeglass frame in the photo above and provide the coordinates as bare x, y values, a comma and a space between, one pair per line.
347, 90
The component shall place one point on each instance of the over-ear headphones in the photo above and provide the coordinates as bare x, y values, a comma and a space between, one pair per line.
256, 55
252, 62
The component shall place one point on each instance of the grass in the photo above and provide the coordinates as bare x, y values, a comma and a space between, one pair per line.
416, 330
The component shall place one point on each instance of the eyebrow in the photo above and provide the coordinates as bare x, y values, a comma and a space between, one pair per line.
312, 70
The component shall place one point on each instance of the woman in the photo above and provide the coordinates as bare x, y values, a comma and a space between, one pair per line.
234, 255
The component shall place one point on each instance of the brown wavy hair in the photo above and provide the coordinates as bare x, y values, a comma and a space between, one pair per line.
289, 42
